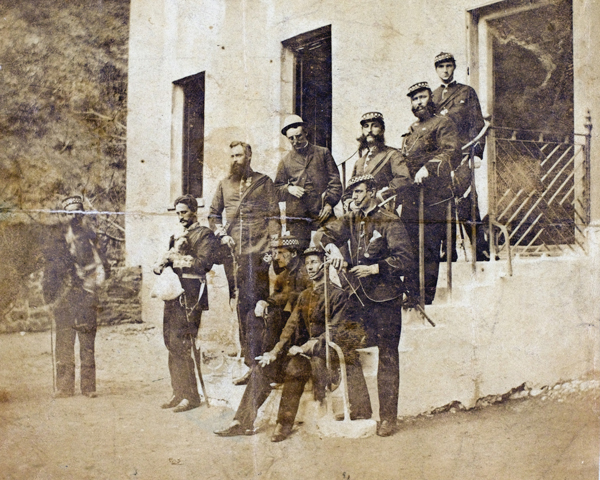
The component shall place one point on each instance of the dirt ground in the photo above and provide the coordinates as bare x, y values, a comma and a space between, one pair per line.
123, 434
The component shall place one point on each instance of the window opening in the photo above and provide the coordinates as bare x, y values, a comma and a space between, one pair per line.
312, 82
193, 133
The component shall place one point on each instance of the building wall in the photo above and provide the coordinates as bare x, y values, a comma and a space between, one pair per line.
586, 18
378, 52
501, 332
376, 57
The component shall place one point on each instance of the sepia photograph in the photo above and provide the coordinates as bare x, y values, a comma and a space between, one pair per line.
299, 239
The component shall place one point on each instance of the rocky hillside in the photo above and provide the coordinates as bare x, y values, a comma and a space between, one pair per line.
63, 84
63, 87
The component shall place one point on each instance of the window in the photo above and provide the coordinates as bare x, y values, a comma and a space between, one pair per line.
537, 180
524, 51
312, 82
193, 133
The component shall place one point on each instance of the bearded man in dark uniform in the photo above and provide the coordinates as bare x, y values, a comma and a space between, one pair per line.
460, 103
431, 149
386, 164
191, 257
73, 274
308, 181
379, 253
247, 201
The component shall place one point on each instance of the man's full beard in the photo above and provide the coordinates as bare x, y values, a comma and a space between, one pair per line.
426, 112
237, 171
364, 145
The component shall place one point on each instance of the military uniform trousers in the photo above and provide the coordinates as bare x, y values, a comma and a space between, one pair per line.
383, 324
180, 333
259, 384
435, 218
75, 316
253, 285
300, 369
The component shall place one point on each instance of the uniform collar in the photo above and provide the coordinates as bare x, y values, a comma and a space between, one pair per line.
419, 123
370, 209
451, 84
376, 149
319, 288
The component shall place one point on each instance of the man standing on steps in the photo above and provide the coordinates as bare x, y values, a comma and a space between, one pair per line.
273, 314
386, 164
308, 181
379, 254
248, 201
73, 274
460, 103
191, 257
431, 151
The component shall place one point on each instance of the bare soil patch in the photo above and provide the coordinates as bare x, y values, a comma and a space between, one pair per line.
124, 434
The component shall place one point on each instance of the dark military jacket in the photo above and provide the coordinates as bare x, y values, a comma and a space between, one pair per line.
461, 105
377, 237
315, 170
308, 318
288, 285
433, 143
389, 168
251, 212
201, 246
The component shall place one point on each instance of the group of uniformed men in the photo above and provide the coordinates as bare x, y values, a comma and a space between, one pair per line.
373, 246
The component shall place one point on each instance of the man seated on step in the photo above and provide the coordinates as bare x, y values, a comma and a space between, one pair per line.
272, 315
300, 354
302, 343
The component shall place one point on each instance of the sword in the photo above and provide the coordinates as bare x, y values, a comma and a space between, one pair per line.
53, 354
352, 287
197, 361
196, 350
421, 310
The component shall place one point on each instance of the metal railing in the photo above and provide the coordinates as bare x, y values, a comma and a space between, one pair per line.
538, 194
539, 188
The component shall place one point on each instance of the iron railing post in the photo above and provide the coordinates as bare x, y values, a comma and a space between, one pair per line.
491, 193
449, 248
588, 146
421, 247
474, 204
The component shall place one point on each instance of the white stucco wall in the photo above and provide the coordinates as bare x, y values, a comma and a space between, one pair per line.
378, 51
376, 57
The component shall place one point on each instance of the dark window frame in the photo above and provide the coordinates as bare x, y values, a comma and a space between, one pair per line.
313, 96
192, 178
